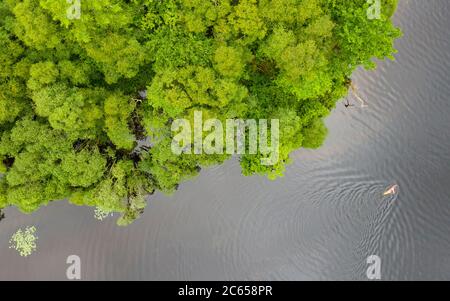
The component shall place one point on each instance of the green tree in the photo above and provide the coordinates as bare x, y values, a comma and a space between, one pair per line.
74, 126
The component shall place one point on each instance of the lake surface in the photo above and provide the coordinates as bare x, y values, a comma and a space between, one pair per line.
320, 222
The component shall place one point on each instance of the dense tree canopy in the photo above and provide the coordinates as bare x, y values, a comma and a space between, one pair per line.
72, 121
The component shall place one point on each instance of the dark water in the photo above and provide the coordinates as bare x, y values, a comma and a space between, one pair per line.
321, 221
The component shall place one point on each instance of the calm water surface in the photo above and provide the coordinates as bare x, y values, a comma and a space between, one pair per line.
320, 222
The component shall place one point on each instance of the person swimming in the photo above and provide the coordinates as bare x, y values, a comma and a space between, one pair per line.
391, 190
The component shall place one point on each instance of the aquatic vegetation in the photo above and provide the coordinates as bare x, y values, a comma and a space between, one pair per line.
24, 242
87, 100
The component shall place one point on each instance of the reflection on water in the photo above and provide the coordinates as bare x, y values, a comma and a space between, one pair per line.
319, 222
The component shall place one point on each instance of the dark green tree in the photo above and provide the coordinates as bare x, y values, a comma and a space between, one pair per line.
73, 124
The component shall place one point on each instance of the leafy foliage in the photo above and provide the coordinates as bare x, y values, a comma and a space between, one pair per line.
24, 241
72, 123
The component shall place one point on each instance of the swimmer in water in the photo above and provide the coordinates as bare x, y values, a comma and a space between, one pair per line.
391, 191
